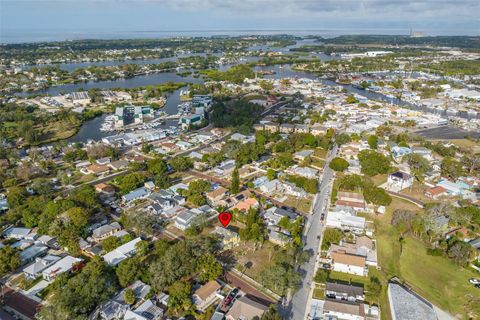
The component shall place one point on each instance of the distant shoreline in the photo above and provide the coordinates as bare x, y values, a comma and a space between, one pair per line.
19, 37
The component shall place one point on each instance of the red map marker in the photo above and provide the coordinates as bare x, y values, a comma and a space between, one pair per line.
225, 218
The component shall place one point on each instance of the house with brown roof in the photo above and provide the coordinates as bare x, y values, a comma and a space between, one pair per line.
96, 169
334, 309
435, 192
245, 308
206, 295
349, 263
245, 205
346, 310
215, 196
105, 189
351, 199
169, 146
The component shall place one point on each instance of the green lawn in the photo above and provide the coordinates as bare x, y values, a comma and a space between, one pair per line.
318, 293
438, 279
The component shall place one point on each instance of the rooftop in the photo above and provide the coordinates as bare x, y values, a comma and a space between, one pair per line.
407, 305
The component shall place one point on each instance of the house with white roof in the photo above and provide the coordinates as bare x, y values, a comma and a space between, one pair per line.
271, 186
345, 218
242, 138
32, 271
61, 266
121, 253
185, 219
305, 172
274, 214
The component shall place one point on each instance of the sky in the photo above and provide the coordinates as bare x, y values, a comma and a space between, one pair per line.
44, 20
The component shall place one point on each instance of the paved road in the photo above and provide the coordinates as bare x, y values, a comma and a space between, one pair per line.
297, 309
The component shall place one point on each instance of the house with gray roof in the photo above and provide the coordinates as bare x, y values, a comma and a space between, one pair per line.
407, 305
106, 231
35, 269
136, 194
344, 291
32, 252
274, 214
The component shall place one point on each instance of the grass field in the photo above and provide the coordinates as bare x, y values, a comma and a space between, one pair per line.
257, 260
320, 153
302, 205
463, 144
438, 279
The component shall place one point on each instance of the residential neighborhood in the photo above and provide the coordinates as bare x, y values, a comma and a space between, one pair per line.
277, 180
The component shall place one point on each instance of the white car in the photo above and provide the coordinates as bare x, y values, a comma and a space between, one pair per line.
474, 281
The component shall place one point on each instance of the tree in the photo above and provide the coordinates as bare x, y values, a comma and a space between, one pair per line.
181, 163
374, 287
343, 138
162, 181
266, 85
128, 271
130, 182
402, 220
271, 174
142, 247
235, 183
377, 196
82, 293
271, 314
156, 166
140, 221
280, 278
373, 141
321, 276
373, 162
209, 268
9, 260
471, 161
16, 196
129, 296
195, 192
461, 252
111, 243
254, 227
173, 262
85, 196
331, 236
418, 164
179, 297
365, 84
351, 99
451, 168
338, 164
351, 182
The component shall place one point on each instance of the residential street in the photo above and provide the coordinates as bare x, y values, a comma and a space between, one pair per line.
297, 309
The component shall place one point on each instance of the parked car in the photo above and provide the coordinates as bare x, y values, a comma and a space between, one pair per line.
474, 281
